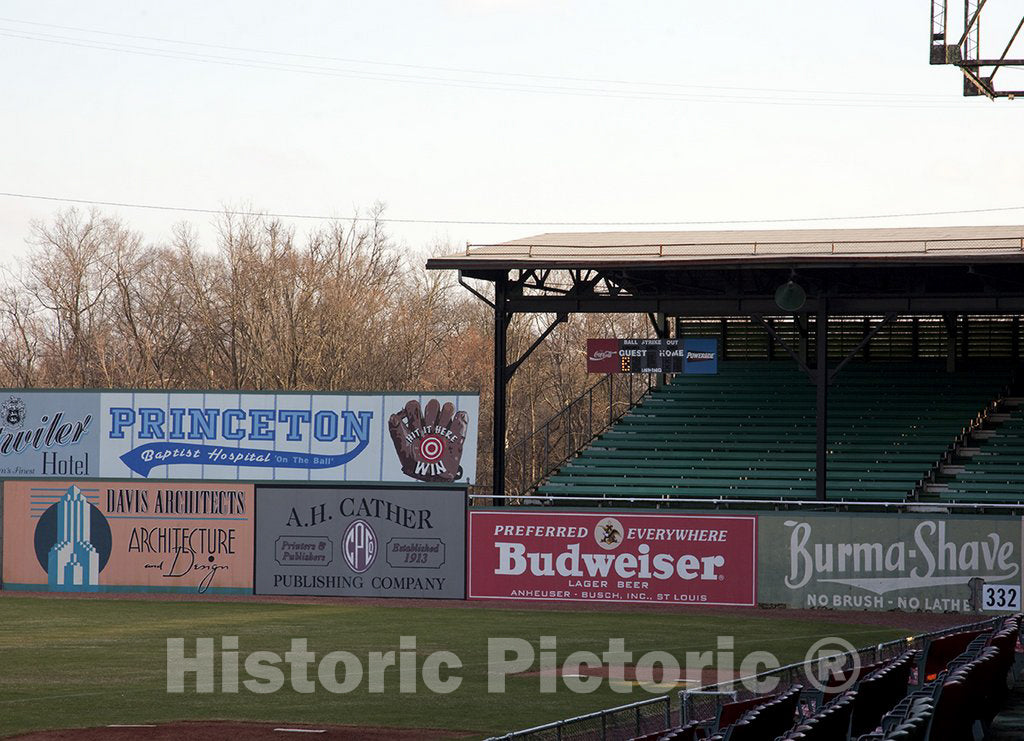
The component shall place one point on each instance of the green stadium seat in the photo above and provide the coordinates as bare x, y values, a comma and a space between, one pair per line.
749, 432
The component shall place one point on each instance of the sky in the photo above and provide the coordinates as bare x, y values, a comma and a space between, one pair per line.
575, 113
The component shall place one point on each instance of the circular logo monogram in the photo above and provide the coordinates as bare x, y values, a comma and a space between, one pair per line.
359, 546
608, 533
431, 448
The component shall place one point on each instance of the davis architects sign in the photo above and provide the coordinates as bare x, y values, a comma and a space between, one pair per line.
886, 562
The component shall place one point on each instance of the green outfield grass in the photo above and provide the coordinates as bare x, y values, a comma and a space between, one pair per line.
77, 663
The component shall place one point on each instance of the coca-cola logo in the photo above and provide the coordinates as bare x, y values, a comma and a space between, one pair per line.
603, 355
359, 546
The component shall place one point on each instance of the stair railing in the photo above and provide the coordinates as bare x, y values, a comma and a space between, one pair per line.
532, 459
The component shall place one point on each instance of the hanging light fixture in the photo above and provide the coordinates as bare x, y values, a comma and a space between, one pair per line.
790, 296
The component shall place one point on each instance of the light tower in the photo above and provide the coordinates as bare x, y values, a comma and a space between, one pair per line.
1004, 49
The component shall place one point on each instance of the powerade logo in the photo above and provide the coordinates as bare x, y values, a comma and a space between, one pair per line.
217, 432
700, 356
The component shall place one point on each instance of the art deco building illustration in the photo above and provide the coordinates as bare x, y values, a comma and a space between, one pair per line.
74, 563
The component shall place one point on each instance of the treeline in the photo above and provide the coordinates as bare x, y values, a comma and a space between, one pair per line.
94, 305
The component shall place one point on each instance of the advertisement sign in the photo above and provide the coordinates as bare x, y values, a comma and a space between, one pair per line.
127, 536
690, 355
888, 562
361, 542
700, 356
612, 557
46, 433
398, 438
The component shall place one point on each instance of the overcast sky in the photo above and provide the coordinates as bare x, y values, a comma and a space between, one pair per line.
499, 110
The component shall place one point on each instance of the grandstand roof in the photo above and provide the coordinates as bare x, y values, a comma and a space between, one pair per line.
931, 245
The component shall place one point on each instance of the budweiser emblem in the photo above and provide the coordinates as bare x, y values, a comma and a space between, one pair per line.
359, 546
608, 533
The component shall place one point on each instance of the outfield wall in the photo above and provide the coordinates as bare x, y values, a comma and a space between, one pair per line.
840, 560
127, 536
161, 491
359, 540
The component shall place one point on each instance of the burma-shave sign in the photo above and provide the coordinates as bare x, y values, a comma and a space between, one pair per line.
691, 356
361, 542
395, 438
128, 536
938, 563
612, 557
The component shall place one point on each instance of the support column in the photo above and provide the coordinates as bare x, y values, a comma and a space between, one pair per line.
1015, 340
802, 320
821, 373
950, 321
965, 343
499, 421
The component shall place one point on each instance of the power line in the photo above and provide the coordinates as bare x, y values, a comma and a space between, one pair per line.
836, 101
464, 70
477, 222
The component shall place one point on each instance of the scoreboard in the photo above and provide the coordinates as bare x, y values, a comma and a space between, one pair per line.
688, 355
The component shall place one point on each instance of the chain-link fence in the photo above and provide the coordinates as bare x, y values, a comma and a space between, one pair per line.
615, 724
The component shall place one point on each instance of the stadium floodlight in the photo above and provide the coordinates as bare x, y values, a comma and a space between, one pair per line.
980, 63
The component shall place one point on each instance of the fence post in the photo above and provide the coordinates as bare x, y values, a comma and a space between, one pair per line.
547, 445
611, 398
524, 455
590, 400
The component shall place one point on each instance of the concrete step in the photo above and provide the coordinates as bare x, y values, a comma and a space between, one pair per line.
950, 469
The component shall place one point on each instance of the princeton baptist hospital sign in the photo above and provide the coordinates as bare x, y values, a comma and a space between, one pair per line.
386, 438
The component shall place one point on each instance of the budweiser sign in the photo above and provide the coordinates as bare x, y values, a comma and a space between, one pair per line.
618, 557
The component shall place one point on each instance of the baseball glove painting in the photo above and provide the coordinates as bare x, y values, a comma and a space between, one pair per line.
429, 440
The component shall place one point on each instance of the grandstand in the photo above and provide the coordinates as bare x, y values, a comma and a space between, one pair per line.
890, 380
749, 432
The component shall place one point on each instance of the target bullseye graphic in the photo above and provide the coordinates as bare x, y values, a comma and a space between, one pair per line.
431, 448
